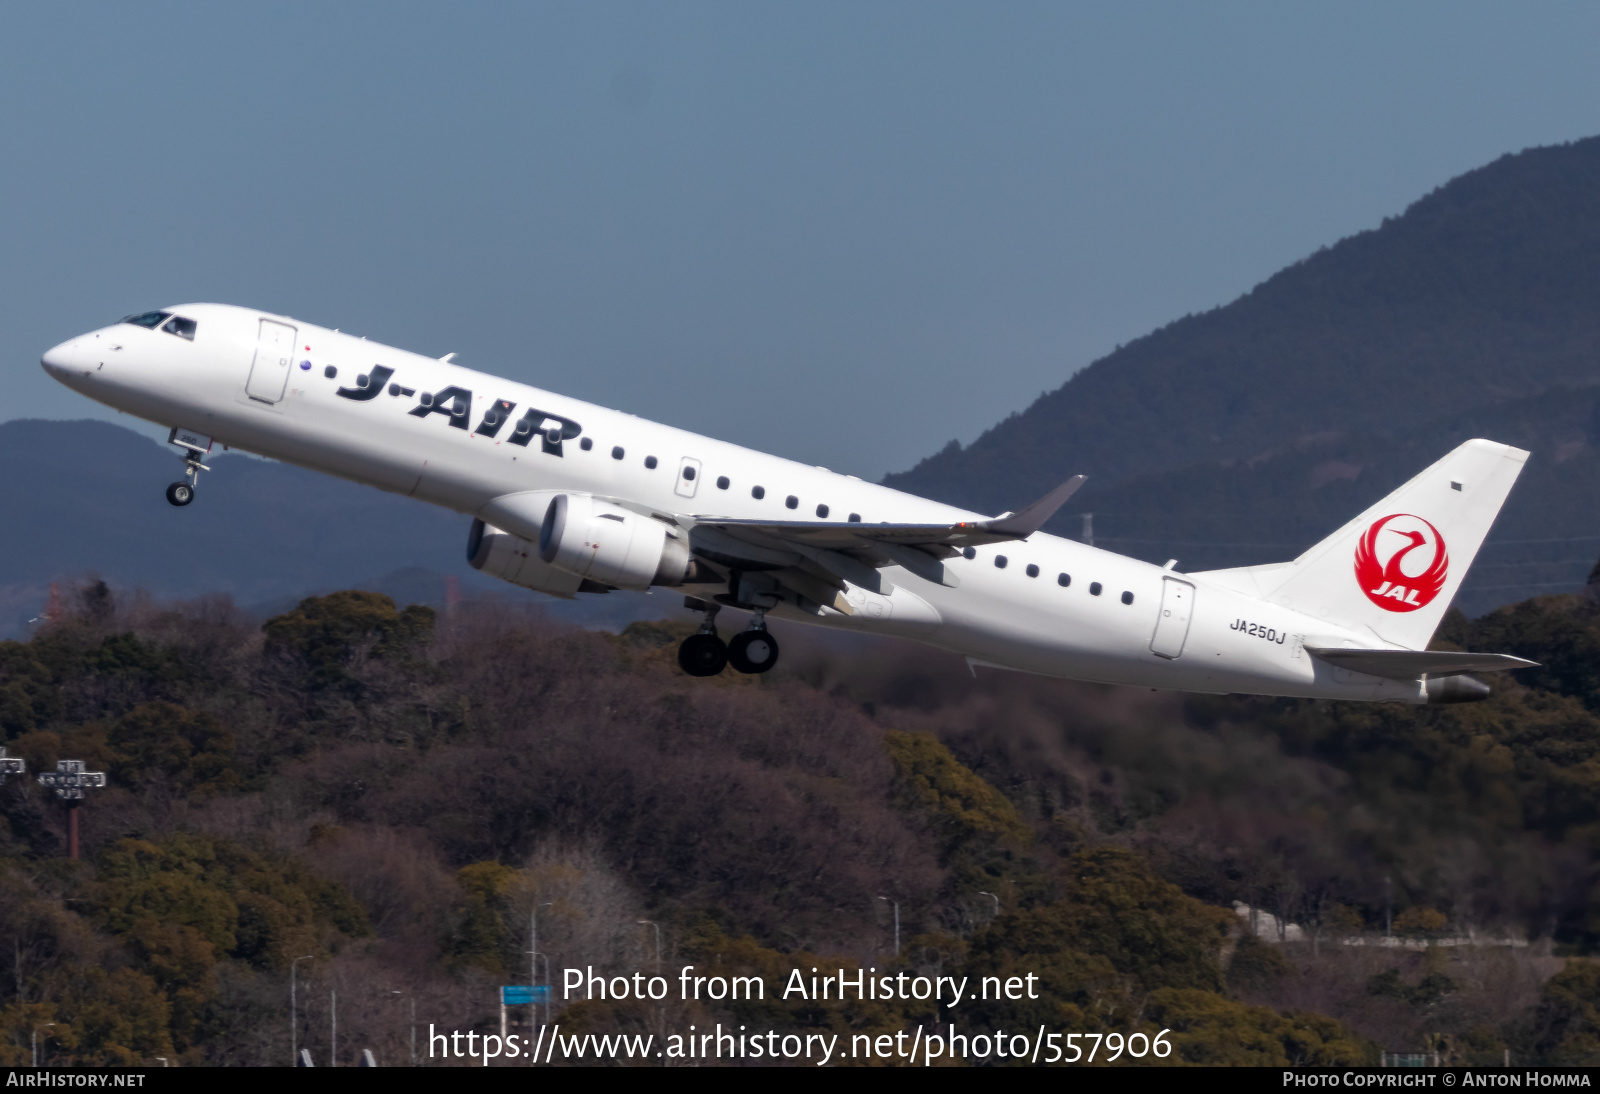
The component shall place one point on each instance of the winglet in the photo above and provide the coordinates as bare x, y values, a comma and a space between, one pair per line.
1030, 520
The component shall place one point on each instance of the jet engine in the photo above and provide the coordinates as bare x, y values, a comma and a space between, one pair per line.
612, 545
514, 559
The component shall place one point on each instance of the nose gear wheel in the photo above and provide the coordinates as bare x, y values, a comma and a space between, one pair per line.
182, 492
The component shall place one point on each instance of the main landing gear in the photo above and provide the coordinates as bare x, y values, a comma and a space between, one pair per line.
752, 651
182, 492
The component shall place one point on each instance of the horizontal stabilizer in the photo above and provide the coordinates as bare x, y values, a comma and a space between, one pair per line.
1410, 664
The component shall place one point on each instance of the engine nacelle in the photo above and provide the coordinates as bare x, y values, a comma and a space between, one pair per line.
514, 559
612, 545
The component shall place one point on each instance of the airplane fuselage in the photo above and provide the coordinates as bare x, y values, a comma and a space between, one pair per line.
449, 436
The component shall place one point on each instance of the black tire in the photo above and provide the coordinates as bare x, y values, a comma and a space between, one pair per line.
753, 651
702, 655
180, 493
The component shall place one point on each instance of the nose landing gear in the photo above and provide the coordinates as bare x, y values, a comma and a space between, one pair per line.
182, 492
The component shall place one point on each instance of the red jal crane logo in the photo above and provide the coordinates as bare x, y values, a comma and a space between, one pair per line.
1401, 563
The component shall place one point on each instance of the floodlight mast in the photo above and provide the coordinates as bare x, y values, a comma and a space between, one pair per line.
69, 780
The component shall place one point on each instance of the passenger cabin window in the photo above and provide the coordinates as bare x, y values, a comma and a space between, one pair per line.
650, 463
586, 444
969, 552
1127, 598
1033, 571
722, 482
1094, 588
1063, 580
183, 328
688, 474
1000, 562
330, 372
151, 319
855, 518
822, 510
758, 492
792, 502
617, 453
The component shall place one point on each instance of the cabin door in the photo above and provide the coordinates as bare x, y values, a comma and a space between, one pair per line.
269, 373
1172, 628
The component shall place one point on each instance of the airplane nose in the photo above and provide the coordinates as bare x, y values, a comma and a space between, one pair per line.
60, 358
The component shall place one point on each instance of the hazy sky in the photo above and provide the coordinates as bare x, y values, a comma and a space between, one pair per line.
845, 233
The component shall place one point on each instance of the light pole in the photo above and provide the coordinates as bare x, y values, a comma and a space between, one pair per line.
547, 994
992, 897
397, 991
1388, 907
657, 926
294, 1014
11, 765
69, 780
896, 904
35, 1040
533, 965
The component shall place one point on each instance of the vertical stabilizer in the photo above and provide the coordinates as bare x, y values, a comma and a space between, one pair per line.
1394, 569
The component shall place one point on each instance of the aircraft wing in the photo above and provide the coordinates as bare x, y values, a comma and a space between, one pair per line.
848, 551
846, 536
1409, 664
805, 552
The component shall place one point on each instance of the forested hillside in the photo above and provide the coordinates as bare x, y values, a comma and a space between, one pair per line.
1248, 432
389, 793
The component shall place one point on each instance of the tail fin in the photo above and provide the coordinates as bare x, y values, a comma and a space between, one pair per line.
1394, 569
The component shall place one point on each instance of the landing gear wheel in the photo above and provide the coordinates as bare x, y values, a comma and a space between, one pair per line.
753, 651
702, 654
180, 493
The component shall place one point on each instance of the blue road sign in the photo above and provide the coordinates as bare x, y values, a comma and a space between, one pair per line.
514, 994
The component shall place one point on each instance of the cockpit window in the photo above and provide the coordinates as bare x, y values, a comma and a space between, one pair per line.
151, 319
183, 328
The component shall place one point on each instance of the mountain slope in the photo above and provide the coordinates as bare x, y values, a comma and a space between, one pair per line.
1484, 290
1477, 308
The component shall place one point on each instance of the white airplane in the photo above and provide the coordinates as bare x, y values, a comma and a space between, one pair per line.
568, 497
